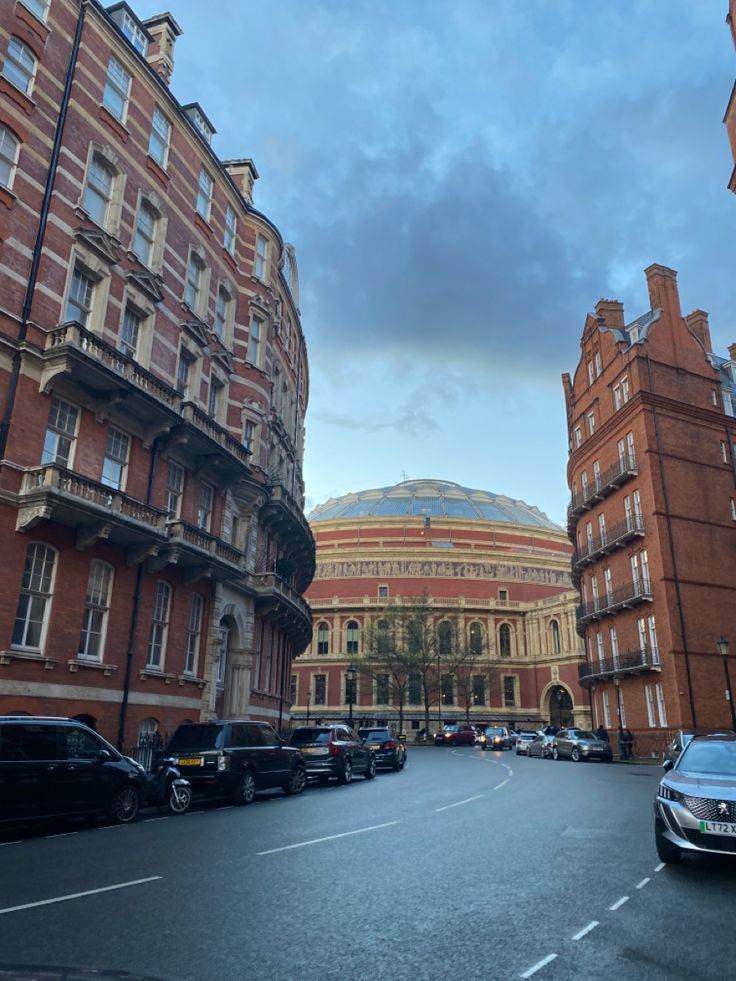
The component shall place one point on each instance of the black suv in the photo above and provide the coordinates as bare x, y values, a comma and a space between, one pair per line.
61, 768
334, 751
389, 749
235, 759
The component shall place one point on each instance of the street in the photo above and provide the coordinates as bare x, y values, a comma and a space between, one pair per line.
466, 865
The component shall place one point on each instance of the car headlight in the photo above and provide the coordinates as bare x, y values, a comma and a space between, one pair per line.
669, 793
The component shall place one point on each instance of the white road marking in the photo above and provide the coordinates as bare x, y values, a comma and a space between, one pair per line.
581, 933
3, 843
538, 967
78, 895
619, 902
643, 882
459, 802
660, 866
317, 841
149, 820
64, 834
227, 807
502, 784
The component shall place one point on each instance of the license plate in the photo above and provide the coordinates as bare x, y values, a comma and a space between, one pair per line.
189, 761
717, 828
312, 751
374, 745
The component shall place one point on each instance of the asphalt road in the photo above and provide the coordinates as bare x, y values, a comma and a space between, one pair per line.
466, 866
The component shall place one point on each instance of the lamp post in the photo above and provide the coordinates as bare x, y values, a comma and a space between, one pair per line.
722, 645
309, 701
350, 674
439, 694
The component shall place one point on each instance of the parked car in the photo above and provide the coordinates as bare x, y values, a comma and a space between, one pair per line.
695, 805
523, 741
235, 758
580, 744
388, 748
455, 735
334, 751
541, 746
683, 736
496, 737
60, 768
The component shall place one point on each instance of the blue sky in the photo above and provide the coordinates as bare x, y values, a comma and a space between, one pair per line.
462, 181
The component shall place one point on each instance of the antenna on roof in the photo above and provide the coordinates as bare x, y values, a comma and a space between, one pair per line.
404, 476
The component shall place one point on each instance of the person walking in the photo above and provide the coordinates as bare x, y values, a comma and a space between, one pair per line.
621, 743
601, 733
629, 742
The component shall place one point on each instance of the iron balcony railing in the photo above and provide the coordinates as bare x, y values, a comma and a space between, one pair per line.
602, 485
629, 662
591, 548
631, 593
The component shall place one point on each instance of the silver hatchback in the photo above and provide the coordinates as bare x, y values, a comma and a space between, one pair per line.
579, 744
695, 806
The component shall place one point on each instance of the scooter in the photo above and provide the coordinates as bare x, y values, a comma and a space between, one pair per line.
167, 788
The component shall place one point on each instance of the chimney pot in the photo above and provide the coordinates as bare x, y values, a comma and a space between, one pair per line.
160, 56
697, 324
611, 312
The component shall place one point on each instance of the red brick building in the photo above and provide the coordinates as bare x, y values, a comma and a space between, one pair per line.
497, 572
153, 387
652, 471
730, 117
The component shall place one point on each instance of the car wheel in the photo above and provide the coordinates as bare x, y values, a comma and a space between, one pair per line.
296, 782
245, 791
371, 770
666, 851
555, 754
125, 804
575, 755
346, 774
179, 799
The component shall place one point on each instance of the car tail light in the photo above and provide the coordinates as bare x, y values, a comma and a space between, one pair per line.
223, 762
389, 745
332, 747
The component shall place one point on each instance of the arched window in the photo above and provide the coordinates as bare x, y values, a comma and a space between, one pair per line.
476, 639
98, 190
193, 290
34, 601
97, 606
383, 637
353, 637
444, 638
144, 237
554, 628
504, 640
20, 65
323, 639
9, 144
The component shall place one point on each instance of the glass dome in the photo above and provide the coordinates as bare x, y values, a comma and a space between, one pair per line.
435, 498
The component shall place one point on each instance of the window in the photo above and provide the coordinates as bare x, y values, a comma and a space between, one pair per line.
213, 405
653, 646
204, 194
621, 454
130, 332
733, 509
383, 592
509, 690
613, 636
660, 705
644, 559
608, 584
37, 7
589, 536
20, 65
630, 449
183, 373
96, 608
447, 690
642, 633
556, 642
174, 489
590, 372
599, 648
578, 435
293, 689
134, 34
353, 634
158, 142
81, 293
194, 632
476, 639
254, 341
8, 156
596, 474
382, 690
479, 689
606, 711
193, 288
144, 237
222, 312
206, 501
504, 640
249, 434
444, 639
200, 124
261, 257
503, 595
323, 639
584, 484
320, 689
61, 432
222, 655
634, 563
34, 601
159, 625
594, 592
602, 528
649, 693
231, 228
724, 454
591, 423
728, 403
598, 368
98, 190
116, 459
414, 688
117, 89
621, 707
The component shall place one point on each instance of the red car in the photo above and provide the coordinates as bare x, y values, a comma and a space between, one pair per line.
455, 735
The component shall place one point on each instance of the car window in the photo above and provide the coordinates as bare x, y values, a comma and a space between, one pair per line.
584, 734
81, 745
701, 756
306, 737
345, 735
196, 738
249, 735
374, 734
30, 742
268, 735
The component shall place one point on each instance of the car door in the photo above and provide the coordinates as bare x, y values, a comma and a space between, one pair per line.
277, 760
562, 742
29, 758
87, 777
355, 748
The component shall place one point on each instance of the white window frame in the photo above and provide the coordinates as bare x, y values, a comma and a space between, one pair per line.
78, 305
35, 595
158, 636
20, 65
206, 506
230, 232
613, 638
117, 452
62, 428
223, 311
39, 8
661, 707
600, 650
9, 148
134, 34
652, 635
591, 423
194, 634
130, 332
255, 341
98, 194
606, 709
205, 193
96, 611
175, 477
577, 436
159, 140
145, 236
649, 696
117, 88
260, 267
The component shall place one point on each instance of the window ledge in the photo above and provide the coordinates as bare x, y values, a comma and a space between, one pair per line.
18, 655
230, 260
7, 198
114, 123
165, 676
15, 95
203, 225
75, 663
190, 679
39, 28
158, 171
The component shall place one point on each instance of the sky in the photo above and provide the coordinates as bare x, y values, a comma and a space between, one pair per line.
462, 182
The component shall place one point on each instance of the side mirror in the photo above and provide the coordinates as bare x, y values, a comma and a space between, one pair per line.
667, 765
103, 755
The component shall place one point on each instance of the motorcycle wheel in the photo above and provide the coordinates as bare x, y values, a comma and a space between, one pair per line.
179, 799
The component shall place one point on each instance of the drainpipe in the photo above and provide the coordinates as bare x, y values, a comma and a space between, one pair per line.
41, 233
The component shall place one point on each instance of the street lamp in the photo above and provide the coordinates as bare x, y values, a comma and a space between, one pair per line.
722, 646
309, 700
350, 692
439, 694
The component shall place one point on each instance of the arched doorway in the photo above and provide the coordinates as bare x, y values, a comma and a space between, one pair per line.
560, 706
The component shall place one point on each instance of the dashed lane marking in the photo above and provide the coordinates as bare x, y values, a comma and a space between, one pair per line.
79, 895
502, 784
64, 834
640, 885
317, 841
581, 933
150, 820
3, 843
458, 803
619, 903
538, 966
660, 867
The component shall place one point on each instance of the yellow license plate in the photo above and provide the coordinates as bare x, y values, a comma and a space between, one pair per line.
374, 745
189, 761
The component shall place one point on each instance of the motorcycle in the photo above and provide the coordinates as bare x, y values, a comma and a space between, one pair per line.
167, 788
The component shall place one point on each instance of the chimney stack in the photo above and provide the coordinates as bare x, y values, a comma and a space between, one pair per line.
164, 31
732, 352
663, 292
697, 324
611, 312
244, 175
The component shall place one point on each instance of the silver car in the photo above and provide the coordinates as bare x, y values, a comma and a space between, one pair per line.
540, 746
695, 806
580, 744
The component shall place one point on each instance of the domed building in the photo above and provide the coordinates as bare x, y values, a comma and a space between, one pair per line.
492, 577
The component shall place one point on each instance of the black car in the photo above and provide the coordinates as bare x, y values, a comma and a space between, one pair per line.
235, 758
496, 737
334, 751
389, 749
60, 768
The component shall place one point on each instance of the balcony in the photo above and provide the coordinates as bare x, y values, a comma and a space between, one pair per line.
631, 594
613, 538
607, 482
632, 662
276, 600
94, 510
282, 517
199, 554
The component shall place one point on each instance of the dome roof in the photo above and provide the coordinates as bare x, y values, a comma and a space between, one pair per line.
439, 498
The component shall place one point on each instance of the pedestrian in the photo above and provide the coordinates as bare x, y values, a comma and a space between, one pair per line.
621, 743
629, 740
601, 733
